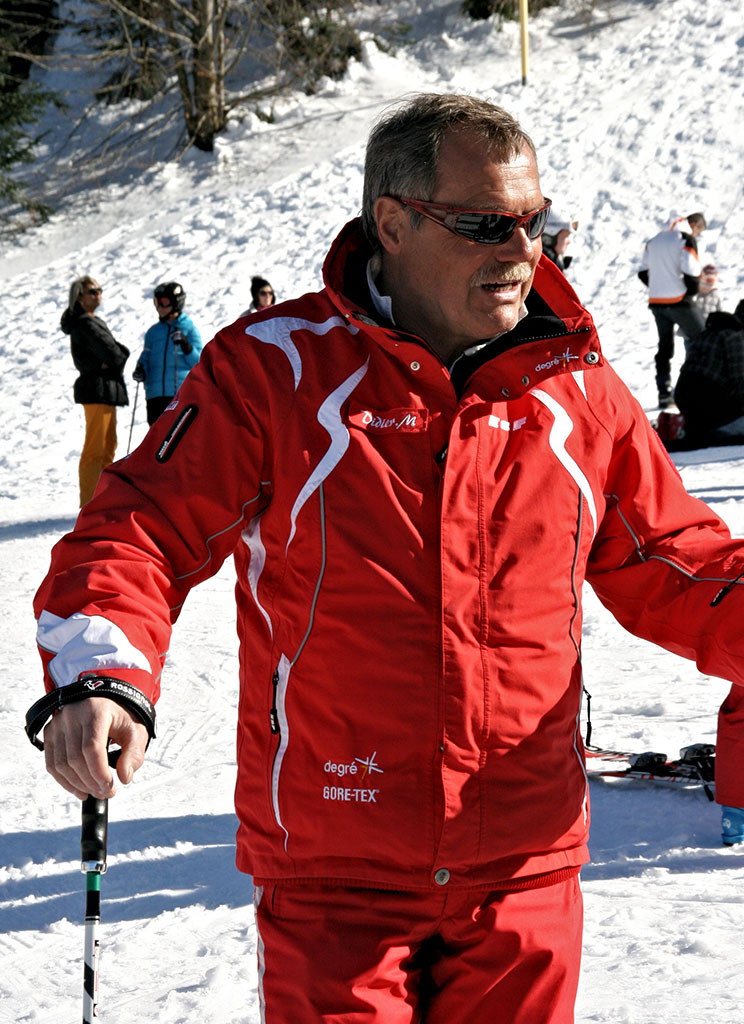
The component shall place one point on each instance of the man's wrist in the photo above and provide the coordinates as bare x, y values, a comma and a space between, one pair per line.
91, 685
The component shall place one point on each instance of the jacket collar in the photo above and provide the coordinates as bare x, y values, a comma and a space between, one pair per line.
557, 335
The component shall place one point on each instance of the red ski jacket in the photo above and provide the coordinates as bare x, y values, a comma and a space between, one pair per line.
411, 545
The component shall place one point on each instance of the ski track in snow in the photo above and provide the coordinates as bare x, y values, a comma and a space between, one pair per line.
636, 121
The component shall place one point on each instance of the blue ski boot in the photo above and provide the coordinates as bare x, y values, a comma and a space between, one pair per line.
732, 825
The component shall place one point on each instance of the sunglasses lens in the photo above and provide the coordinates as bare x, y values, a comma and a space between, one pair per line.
536, 225
484, 228
496, 228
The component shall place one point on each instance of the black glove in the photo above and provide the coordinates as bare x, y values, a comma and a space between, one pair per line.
138, 374
180, 339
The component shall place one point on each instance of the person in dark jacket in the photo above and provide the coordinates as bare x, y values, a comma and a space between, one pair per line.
99, 359
710, 389
172, 346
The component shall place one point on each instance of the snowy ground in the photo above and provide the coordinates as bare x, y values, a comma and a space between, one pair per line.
636, 121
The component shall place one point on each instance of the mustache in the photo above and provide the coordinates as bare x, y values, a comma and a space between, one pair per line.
502, 273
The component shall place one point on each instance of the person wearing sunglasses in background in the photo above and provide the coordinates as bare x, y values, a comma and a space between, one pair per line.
415, 469
172, 347
262, 295
99, 359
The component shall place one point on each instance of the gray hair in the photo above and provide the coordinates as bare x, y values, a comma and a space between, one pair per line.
77, 288
404, 145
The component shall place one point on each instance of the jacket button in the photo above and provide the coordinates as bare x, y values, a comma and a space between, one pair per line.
415, 365
525, 380
505, 392
591, 358
442, 876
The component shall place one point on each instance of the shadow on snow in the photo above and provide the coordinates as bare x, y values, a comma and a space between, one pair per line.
184, 862
641, 826
37, 528
163, 864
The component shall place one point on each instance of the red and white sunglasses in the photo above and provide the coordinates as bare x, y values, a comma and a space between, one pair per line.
486, 227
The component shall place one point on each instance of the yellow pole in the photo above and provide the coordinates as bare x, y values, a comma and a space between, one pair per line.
523, 11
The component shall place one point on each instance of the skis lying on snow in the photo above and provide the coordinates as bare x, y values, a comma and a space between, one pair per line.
695, 766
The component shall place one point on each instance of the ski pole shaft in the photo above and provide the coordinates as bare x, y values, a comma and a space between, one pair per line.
93, 843
93, 853
92, 946
134, 410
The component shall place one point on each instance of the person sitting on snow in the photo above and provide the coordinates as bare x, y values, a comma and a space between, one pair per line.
710, 388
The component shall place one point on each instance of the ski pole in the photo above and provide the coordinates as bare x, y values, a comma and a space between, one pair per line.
178, 338
134, 410
93, 840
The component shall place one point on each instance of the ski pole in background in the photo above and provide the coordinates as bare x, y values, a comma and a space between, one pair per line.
179, 342
93, 841
134, 410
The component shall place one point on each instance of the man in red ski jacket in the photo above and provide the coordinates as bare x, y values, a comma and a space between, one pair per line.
415, 469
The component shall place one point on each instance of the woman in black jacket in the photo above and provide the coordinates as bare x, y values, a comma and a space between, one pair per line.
99, 359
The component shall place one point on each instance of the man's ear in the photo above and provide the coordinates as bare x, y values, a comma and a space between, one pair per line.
392, 222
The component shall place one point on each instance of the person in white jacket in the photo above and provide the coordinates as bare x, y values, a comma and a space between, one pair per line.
670, 268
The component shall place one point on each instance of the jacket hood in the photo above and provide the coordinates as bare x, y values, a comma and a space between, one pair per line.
67, 321
70, 317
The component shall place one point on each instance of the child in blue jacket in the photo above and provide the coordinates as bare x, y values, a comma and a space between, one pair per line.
172, 346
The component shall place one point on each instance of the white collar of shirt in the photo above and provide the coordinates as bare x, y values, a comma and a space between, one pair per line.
382, 303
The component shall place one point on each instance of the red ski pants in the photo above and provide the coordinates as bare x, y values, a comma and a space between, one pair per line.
730, 749
362, 956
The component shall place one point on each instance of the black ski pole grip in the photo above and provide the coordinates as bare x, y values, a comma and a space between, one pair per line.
94, 834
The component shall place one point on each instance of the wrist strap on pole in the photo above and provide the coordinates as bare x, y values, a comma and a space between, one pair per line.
117, 690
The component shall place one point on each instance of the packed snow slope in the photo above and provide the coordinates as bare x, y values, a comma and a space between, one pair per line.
635, 121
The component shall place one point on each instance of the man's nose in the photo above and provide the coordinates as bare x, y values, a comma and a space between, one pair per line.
519, 248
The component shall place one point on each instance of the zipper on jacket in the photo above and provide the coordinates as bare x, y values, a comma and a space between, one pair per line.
725, 590
273, 713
